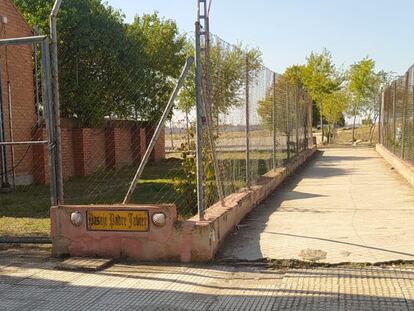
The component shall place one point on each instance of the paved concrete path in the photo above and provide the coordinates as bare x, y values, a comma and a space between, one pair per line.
34, 284
347, 205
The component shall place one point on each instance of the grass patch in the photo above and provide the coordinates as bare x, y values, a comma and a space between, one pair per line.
14, 226
26, 211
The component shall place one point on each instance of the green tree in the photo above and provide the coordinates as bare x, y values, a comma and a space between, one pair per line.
227, 72
363, 85
288, 81
92, 47
370, 108
265, 106
320, 78
164, 55
334, 105
109, 68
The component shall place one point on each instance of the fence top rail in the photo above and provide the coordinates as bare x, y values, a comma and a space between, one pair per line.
30, 142
22, 40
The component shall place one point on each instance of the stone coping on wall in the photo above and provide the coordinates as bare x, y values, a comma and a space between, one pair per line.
403, 167
191, 240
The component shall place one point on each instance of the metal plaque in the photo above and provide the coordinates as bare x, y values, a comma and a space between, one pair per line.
118, 220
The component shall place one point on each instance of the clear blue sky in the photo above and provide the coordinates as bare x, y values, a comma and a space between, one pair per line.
286, 31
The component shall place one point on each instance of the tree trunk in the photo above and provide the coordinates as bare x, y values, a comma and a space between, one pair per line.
171, 135
353, 129
187, 127
322, 125
371, 132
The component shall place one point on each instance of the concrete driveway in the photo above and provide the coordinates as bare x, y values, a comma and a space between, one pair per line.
346, 205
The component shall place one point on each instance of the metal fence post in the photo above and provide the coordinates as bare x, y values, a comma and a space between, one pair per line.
310, 122
287, 122
274, 121
388, 128
247, 125
404, 116
296, 119
394, 102
50, 124
380, 117
200, 124
4, 180
56, 99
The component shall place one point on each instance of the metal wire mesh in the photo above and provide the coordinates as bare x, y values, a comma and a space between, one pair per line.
397, 116
102, 158
255, 121
253, 133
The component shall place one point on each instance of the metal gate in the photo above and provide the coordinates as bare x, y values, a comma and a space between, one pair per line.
28, 149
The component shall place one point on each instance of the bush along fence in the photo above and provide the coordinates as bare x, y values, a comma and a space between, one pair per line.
397, 117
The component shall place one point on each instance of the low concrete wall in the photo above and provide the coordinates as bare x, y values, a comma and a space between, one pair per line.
69, 239
405, 168
191, 240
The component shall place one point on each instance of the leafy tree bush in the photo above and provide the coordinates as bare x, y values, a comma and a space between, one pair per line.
107, 67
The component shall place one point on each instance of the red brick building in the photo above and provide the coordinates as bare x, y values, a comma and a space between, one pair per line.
84, 150
16, 70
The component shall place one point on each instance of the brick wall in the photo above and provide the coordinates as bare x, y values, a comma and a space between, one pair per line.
68, 154
16, 67
87, 150
94, 156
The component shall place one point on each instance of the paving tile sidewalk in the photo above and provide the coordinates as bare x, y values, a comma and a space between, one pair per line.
34, 284
347, 205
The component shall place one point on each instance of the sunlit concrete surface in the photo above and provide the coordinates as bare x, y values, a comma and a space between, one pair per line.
35, 284
347, 205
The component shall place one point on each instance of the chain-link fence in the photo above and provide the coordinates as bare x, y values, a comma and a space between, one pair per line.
397, 116
256, 119
127, 135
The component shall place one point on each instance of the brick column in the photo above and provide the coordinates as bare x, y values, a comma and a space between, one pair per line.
40, 157
110, 148
78, 152
136, 144
149, 132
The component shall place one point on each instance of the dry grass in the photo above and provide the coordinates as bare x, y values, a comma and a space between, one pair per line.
14, 226
362, 133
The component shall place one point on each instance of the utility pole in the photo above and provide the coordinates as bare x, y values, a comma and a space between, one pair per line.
205, 84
